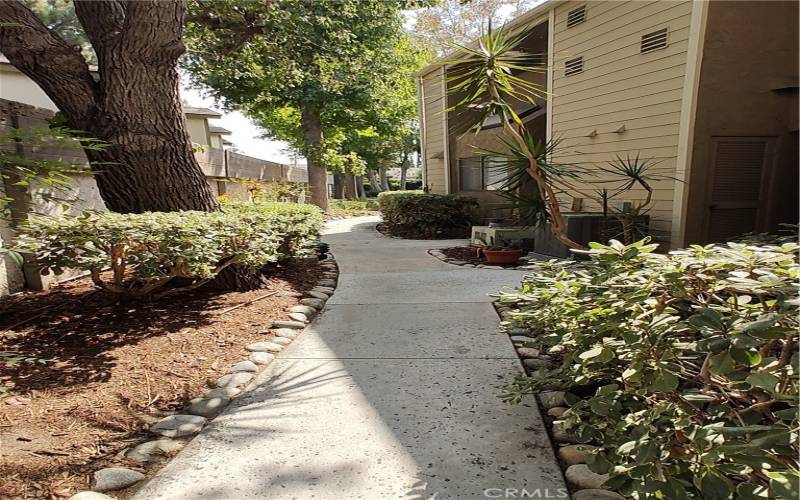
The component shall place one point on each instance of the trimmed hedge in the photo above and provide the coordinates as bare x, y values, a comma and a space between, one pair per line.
147, 251
417, 215
682, 369
353, 207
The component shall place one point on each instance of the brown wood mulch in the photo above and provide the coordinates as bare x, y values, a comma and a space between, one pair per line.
114, 367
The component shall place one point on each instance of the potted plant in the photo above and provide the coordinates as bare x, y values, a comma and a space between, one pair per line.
476, 246
502, 255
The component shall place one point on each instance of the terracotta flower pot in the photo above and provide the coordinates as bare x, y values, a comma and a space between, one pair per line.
502, 256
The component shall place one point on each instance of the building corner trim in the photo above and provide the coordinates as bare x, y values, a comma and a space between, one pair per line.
691, 84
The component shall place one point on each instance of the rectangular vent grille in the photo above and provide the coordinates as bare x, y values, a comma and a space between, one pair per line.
576, 16
573, 66
654, 41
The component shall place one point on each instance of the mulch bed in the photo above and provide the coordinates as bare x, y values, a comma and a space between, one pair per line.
113, 368
468, 255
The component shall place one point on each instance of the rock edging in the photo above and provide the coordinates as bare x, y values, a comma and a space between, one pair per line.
583, 482
173, 431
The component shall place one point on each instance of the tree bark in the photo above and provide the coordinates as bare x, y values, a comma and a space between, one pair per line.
338, 186
360, 187
373, 181
134, 106
350, 187
317, 176
403, 171
384, 179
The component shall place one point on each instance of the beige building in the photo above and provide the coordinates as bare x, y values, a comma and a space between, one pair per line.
708, 90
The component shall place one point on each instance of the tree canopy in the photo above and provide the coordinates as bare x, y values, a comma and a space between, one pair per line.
320, 75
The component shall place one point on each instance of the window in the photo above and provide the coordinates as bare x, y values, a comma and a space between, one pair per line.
573, 66
576, 16
654, 41
481, 173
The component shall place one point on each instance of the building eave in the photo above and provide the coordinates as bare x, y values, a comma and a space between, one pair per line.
513, 25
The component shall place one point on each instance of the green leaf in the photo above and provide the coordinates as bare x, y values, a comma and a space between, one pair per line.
784, 484
766, 381
715, 486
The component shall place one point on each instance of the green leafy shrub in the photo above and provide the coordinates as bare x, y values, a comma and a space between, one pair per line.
145, 252
352, 208
682, 368
412, 214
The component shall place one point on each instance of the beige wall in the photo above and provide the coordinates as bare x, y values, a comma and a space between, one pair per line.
16, 86
620, 86
216, 141
749, 51
198, 130
433, 105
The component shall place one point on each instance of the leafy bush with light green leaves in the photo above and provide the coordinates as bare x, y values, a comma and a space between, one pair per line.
681, 368
413, 214
352, 208
146, 252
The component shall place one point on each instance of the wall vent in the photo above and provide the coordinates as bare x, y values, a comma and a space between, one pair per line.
576, 16
573, 66
654, 41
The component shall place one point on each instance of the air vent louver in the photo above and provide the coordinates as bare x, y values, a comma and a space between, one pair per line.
576, 16
573, 66
654, 41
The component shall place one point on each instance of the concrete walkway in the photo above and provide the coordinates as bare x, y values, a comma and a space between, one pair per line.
391, 393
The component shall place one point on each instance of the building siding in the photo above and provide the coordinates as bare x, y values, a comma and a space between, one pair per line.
620, 86
434, 104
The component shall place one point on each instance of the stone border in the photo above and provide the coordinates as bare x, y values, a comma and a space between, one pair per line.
173, 432
582, 482
437, 253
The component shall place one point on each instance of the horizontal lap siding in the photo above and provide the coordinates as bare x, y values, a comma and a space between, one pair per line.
434, 130
620, 86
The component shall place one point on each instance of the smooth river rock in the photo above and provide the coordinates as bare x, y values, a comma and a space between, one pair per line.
582, 478
307, 310
115, 478
282, 340
261, 357
234, 379
243, 366
297, 325
317, 295
178, 425
289, 333
313, 302
264, 347
150, 451
551, 399
573, 454
595, 494
299, 317
208, 407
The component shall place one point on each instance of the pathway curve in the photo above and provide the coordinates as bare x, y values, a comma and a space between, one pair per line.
390, 393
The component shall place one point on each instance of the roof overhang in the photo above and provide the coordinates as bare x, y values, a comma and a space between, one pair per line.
529, 19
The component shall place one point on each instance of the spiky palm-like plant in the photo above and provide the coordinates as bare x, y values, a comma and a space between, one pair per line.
485, 78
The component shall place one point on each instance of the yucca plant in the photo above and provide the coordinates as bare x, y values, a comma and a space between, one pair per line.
485, 82
485, 79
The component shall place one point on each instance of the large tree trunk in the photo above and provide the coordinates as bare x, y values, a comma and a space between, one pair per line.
360, 187
350, 187
403, 171
338, 186
317, 176
373, 181
384, 179
133, 106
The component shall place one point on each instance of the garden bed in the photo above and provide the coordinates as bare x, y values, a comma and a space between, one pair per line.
114, 368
